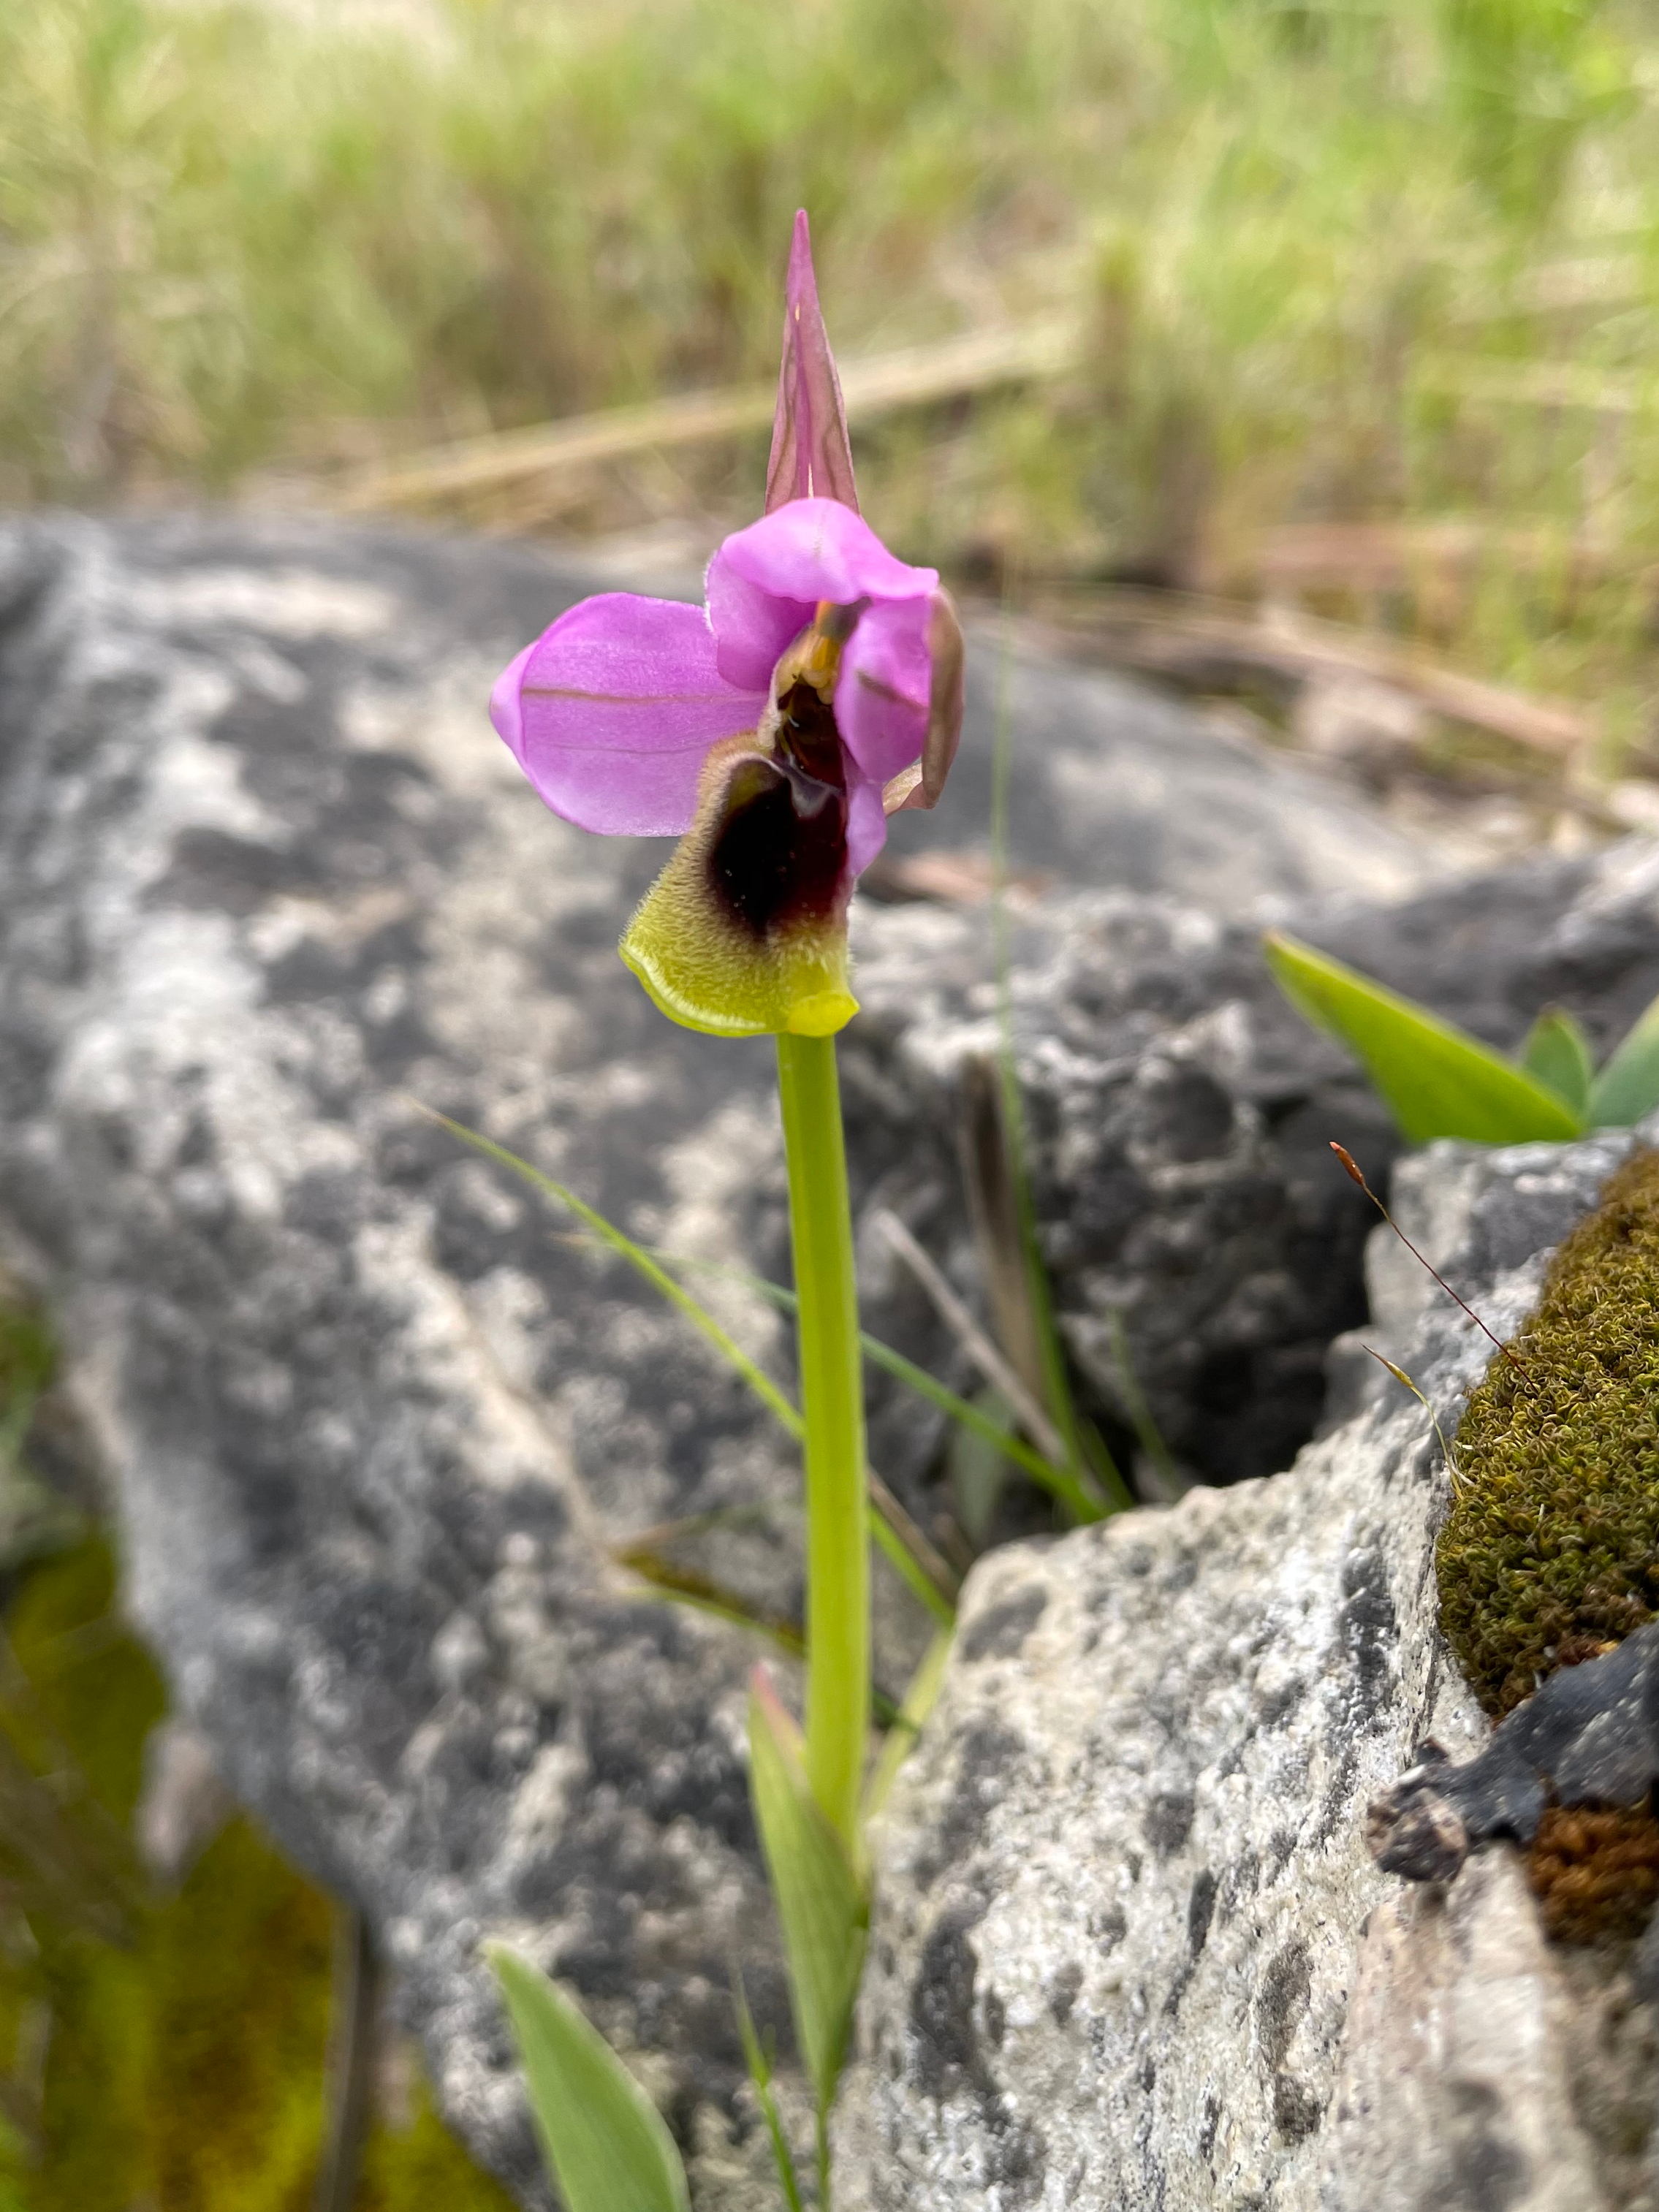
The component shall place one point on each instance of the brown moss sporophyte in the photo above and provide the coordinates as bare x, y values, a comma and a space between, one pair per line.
773, 729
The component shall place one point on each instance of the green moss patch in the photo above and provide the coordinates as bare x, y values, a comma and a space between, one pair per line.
1551, 1550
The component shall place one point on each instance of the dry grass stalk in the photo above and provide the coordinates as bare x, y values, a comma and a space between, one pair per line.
913, 376
987, 1357
1201, 643
1396, 556
1539, 384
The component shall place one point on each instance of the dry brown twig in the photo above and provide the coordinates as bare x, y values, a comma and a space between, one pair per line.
909, 377
991, 1363
1197, 640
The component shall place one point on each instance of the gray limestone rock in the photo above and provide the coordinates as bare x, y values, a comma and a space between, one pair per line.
372, 1425
1179, 1114
1456, 2084
1130, 1949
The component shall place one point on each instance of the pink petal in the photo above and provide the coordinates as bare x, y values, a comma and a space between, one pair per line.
810, 455
752, 626
814, 550
611, 712
867, 825
882, 694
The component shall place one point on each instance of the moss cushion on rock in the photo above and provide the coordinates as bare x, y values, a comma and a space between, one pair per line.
1550, 1550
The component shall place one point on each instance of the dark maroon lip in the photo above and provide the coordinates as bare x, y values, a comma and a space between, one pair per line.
778, 857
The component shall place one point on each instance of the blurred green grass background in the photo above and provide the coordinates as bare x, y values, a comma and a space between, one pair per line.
1388, 263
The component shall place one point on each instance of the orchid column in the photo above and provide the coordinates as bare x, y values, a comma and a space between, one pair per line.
773, 730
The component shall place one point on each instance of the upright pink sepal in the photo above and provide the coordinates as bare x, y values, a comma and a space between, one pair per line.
812, 457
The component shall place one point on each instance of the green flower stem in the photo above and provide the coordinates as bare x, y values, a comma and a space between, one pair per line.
832, 1404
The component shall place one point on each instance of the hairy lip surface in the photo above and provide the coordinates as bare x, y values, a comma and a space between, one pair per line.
780, 853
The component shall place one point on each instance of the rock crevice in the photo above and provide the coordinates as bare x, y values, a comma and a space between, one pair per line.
1156, 1931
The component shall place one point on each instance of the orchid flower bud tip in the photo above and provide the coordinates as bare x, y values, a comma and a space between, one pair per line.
811, 457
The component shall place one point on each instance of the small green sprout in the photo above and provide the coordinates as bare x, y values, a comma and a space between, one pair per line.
1438, 1081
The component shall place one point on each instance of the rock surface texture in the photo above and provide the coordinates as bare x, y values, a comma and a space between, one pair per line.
1179, 1115
1130, 1949
371, 1428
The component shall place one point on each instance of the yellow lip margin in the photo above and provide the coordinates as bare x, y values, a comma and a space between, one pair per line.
706, 971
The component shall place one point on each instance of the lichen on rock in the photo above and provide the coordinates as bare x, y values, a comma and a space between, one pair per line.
1550, 1553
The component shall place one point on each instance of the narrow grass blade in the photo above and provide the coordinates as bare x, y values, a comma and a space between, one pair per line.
699, 1594
656, 1268
919, 1702
703, 1595
1079, 1499
820, 1900
637, 1257
760, 2072
1088, 1460
978, 1472
962, 1411
1437, 1080
1628, 1086
994, 1213
604, 2138
1148, 1435
1090, 1468
972, 1418
920, 1565
913, 1572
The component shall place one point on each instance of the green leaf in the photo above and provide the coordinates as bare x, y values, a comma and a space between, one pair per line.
1628, 1086
1437, 1080
820, 1899
1557, 1053
760, 2072
605, 2139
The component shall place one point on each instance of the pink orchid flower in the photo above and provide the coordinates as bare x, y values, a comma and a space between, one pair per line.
773, 729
